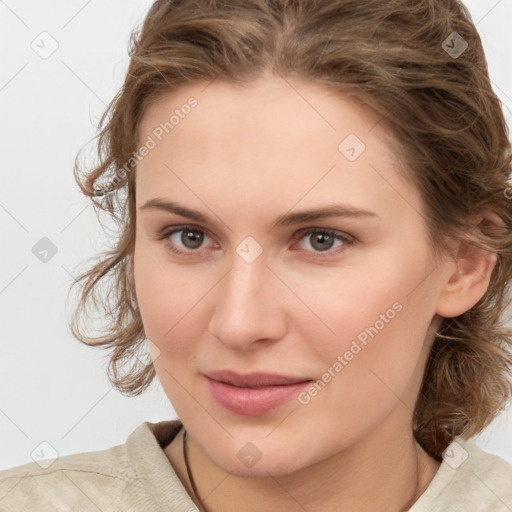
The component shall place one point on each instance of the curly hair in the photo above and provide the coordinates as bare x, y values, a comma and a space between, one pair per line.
420, 64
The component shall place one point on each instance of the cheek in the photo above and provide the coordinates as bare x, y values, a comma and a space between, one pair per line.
169, 298
371, 298
171, 303
380, 321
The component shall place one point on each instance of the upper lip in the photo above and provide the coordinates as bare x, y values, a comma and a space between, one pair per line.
253, 379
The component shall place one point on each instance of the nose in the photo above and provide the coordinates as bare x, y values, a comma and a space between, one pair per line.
249, 307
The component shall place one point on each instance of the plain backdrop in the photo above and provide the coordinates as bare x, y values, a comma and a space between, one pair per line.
61, 63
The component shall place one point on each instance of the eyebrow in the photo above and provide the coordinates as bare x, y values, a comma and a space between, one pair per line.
288, 219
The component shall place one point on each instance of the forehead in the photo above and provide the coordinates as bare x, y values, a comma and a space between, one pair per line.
273, 103
281, 139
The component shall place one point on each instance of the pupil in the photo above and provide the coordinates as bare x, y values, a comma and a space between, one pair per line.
192, 239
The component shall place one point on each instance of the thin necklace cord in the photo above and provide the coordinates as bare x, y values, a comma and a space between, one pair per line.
189, 473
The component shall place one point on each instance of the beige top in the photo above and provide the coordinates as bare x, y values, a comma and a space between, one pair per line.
137, 476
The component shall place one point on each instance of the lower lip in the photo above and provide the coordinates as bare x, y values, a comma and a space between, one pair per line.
251, 401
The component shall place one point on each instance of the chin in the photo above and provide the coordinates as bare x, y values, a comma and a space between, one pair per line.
249, 460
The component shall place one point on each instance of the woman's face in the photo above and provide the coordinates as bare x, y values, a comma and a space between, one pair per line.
250, 283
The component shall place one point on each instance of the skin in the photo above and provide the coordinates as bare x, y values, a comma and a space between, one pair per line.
243, 157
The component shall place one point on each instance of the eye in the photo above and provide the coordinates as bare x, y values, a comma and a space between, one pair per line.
325, 239
189, 237
187, 240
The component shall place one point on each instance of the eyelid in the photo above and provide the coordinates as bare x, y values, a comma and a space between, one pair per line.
335, 232
170, 230
167, 231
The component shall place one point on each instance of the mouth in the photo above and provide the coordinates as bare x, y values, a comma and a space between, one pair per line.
254, 380
253, 394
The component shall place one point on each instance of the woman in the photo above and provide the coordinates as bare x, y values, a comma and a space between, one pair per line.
315, 246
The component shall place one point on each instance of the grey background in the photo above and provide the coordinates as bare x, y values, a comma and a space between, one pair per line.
53, 388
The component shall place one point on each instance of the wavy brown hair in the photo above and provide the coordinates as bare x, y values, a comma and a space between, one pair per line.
449, 132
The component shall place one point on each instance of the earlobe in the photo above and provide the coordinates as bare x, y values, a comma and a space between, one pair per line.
467, 284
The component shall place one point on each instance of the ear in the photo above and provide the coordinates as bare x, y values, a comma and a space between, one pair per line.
468, 275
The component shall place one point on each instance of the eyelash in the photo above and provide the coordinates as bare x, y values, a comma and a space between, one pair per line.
347, 240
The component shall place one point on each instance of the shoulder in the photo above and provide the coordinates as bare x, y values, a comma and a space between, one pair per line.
106, 480
69, 479
470, 480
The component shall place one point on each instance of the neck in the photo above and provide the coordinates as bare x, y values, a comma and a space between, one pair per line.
377, 475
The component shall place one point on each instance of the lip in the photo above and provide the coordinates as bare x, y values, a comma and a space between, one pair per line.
255, 393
